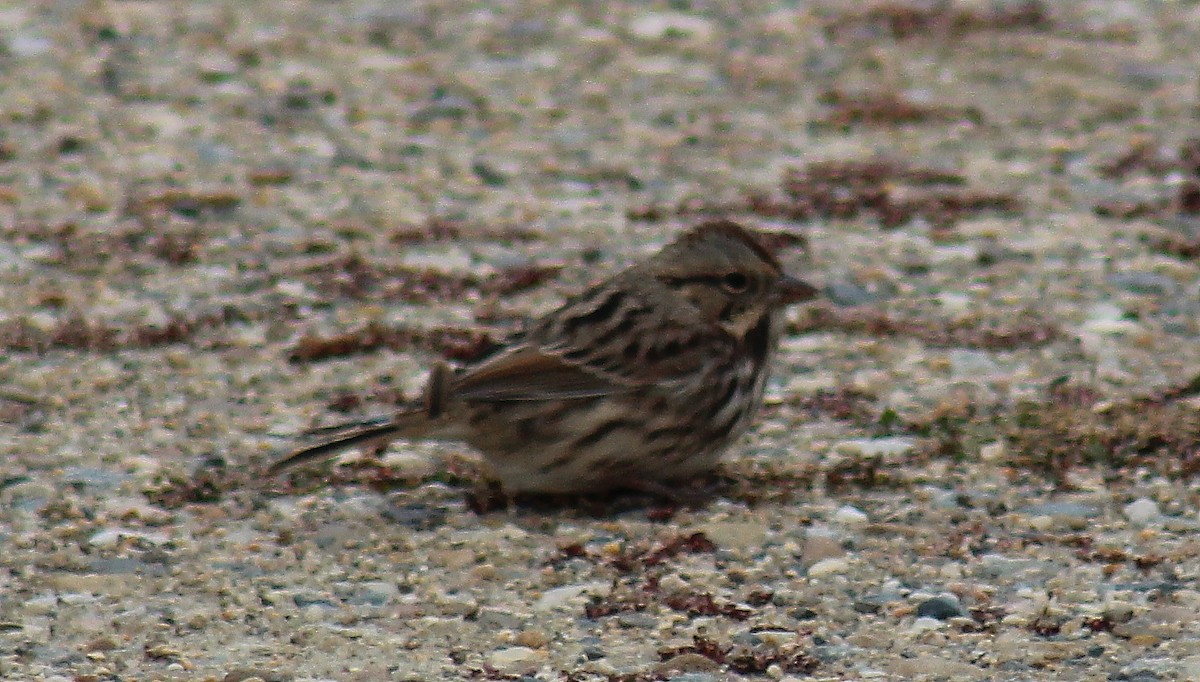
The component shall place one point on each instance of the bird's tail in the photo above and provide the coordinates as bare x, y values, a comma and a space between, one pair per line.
430, 421
364, 434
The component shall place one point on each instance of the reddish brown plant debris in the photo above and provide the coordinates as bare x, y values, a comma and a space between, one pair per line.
639, 599
457, 344
79, 250
1187, 198
705, 646
633, 559
1126, 209
987, 618
1074, 540
744, 659
1160, 437
349, 402
176, 248
80, 333
1177, 245
858, 473
1144, 155
842, 403
1070, 394
600, 607
638, 558
1146, 562
370, 472
753, 486
356, 277
760, 597
264, 176
574, 550
1046, 627
1099, 624
892, 191
184, 202
512, 280
59, 511
1116, 555
940, 19
962, 542
885, 109
206, 486
1023, 332
21, 411
662, 513
1051, 437
587, 676
442, 230
703, 604
1183, 391
873, 172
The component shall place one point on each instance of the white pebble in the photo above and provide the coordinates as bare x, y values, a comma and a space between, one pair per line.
850, 516
560, 597
876, 447
831, 566
660, 25
515, 660
993, 452
926, 623
1142, 511
112, 536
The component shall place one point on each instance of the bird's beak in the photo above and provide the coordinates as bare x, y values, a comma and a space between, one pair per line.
789, 290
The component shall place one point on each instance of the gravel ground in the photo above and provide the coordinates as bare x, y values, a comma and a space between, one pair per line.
226, 222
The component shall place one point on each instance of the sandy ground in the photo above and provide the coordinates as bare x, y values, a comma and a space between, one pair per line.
226, 222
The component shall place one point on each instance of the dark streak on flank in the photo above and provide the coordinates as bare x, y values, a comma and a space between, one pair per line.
731, 388
668, 432
632, 349
558, 462
722, 432
599, 433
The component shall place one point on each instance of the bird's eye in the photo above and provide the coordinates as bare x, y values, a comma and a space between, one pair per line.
735, 283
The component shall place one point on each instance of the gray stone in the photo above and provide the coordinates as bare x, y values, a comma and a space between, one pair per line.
1143, 283
848, 293
942, 607
635, 619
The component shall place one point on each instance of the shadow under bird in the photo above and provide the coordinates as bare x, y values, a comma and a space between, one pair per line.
641, 381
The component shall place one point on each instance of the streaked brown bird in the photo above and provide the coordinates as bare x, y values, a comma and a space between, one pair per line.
641, 381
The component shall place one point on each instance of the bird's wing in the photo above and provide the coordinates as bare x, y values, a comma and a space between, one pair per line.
603, 343
528, 373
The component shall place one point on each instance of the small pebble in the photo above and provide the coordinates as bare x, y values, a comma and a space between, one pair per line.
1142, 511
942, 607
560, 597
668, 25
735, 534
926, 623
517, 660
850, 516
877, 447
831, 566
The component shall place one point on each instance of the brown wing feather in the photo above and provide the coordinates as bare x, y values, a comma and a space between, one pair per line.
629, 337
609, 340
527, 373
